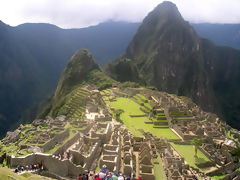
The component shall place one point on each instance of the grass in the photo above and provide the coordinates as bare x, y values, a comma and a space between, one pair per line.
7, 174
159, 172
71, 134
217, 177
72, 105
188, 152
54, 148
134, 123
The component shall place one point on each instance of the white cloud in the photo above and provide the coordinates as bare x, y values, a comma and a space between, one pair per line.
81, 13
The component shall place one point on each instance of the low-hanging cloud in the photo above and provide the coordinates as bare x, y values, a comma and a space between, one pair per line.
82, 13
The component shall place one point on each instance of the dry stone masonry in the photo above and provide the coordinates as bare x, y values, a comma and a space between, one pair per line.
68, 146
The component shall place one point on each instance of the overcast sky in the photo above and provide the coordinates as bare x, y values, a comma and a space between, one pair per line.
82, 13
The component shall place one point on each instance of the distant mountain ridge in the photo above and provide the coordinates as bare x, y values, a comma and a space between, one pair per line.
33, 55
220, 34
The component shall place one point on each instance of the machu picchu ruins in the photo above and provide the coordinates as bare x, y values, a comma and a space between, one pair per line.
66, 146
160, 102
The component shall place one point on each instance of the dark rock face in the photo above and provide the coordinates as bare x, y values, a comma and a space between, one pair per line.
169, 55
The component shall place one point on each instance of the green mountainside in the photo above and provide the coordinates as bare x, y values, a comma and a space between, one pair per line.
22, 82
169, 55
81, 70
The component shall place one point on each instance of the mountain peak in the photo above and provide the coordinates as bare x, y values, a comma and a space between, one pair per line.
166, 6
163, 28
165, 10
80, 64
83, 59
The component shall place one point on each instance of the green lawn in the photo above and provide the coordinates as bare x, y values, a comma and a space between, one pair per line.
158, 169
218, 177
188, 152
135, 123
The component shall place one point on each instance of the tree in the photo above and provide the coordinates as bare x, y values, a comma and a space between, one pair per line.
196, 142
236, 152
117, 113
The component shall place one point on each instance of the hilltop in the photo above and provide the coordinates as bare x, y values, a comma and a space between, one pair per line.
81, 70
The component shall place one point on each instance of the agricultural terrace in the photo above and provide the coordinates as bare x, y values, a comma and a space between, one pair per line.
135, 117
187, 151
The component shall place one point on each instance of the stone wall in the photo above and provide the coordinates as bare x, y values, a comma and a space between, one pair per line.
55, 140
85, 131
92, 155
62, 168
78, 158
104, 137
69, 143
230, 166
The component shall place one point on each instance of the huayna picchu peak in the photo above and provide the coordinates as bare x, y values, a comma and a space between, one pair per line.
161, 111
79, 66
81, 70
168, 54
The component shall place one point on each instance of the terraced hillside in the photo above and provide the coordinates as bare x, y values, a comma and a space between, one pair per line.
139, 114
75, 104
166, 120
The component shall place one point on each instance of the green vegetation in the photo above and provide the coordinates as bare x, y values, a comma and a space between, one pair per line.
43, 126
188, 153
159, 172
74, 104
71, 134
10, 149
135, 123
117, 114
218, 177
7, 174
196, 143
99, 79
70, 96
236, 152
128, 84
124, 69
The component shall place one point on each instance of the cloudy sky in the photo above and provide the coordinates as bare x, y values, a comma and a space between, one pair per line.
82, 13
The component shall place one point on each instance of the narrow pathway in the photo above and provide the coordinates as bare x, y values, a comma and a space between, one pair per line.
137, 163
